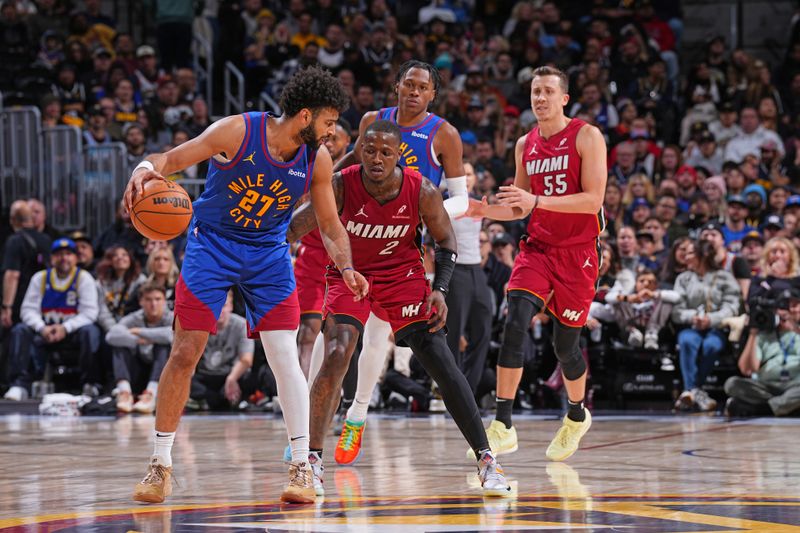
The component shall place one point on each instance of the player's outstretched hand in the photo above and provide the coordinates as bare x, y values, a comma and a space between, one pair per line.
477, 208
513, 196
357, 283
136, 185
437, 305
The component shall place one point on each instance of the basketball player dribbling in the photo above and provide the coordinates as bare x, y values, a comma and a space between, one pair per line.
560, 181
260, 166
383, 206
431, 146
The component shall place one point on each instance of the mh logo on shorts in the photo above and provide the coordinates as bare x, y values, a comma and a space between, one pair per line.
569, 314
411, 310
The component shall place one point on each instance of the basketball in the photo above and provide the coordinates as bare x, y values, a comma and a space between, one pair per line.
163, 211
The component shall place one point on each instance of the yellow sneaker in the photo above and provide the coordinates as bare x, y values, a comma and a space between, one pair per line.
502, 440
301, 484
567, 438
156, 485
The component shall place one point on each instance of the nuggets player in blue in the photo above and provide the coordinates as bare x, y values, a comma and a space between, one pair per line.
260, 166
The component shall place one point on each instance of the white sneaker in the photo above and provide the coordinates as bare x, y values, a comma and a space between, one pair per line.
16, 394
316, 466
492, 477
635, 338
704, 402
667, 365
651, 340
146, 404
685, 401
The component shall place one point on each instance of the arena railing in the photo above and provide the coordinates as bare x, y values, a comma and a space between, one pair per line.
20, 153
235, 101
105, 177
63, 176
204, 69
267, 103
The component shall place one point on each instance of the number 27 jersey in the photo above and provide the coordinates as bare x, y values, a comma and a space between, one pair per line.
554, 168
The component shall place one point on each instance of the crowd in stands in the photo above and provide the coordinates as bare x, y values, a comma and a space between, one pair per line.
702, 203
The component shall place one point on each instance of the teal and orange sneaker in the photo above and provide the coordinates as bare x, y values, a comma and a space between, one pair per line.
348, 449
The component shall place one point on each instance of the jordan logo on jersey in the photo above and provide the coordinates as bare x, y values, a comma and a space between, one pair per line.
361, 212
250, 158
254, 201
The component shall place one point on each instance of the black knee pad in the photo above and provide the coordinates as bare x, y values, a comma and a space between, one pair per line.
520, 311
567, 345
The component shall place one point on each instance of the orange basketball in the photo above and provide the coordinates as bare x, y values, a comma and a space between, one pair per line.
163, 211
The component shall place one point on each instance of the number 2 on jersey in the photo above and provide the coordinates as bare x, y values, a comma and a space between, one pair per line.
389, 247
560, 184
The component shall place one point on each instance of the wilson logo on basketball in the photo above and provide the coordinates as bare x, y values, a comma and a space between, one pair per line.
182, 203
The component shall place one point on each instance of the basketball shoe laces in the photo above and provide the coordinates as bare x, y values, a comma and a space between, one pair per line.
296, 473
156, 475
349, 436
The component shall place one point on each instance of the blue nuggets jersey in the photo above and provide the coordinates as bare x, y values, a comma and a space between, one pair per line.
59, 304
417, 144
251, 198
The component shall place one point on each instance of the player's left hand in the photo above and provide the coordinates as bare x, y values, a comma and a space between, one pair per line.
438, 307
357, 283
513, 196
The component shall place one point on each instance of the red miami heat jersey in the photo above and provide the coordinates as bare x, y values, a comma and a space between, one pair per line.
313, 240
554, 167
385, 239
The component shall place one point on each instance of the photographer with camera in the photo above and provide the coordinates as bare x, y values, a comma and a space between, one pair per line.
708, 295
770, 360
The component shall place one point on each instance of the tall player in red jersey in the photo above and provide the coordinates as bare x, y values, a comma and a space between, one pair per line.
560, 180
382, 207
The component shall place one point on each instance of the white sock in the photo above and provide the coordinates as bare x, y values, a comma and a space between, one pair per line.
281, 350
358, 411
162, 452
317, 355
371, 363
152, 386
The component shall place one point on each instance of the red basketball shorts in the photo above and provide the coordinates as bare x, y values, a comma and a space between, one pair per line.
309, 272
399, 300
570, 273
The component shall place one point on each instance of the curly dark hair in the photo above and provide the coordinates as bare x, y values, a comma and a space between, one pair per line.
436, 78
313, 88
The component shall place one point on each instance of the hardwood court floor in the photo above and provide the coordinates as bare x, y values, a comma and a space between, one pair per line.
632, 474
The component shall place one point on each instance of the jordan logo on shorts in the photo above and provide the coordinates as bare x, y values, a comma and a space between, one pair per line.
361, 211
587, 263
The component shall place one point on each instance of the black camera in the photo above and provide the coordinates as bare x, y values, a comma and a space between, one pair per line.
764, 309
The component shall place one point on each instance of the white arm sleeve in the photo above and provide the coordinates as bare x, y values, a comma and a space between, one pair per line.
456, 205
